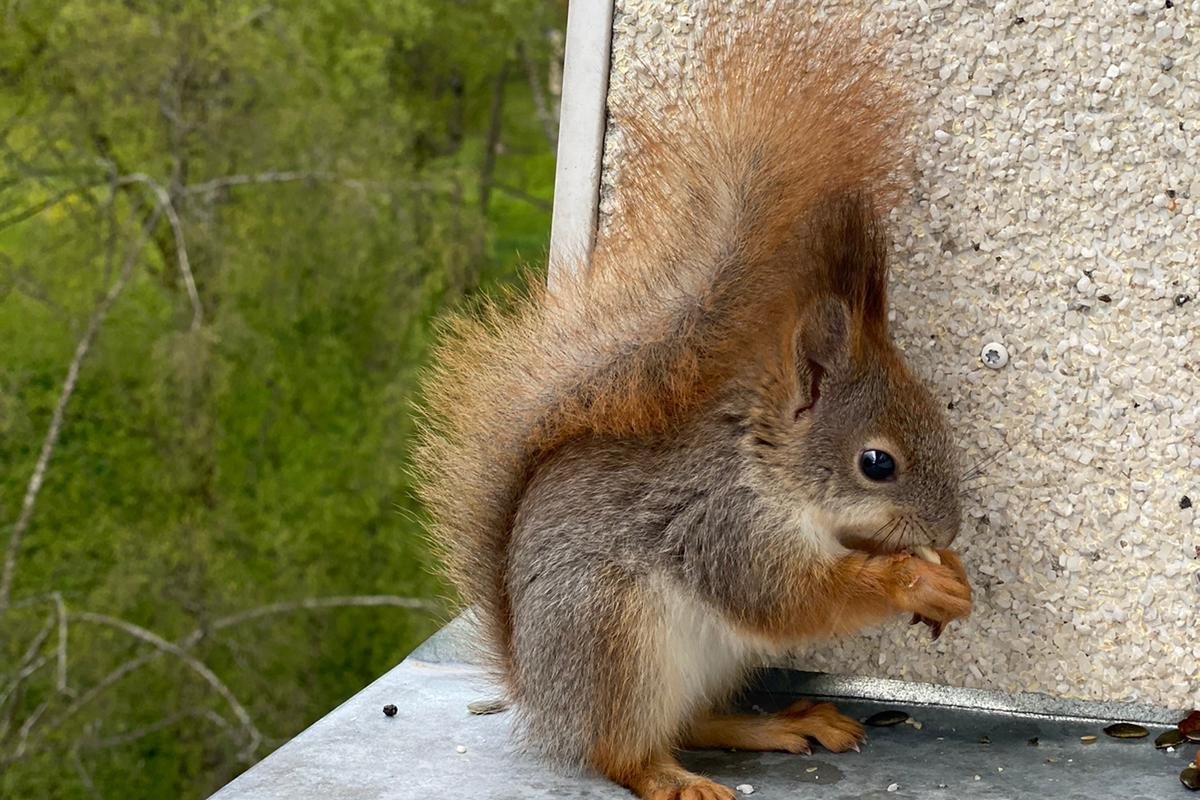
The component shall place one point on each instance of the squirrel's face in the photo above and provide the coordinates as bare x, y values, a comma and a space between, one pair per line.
859, 438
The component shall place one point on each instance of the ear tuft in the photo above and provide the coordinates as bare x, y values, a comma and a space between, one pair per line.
850, 255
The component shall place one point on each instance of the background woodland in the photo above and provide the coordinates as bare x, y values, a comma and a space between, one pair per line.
225, 228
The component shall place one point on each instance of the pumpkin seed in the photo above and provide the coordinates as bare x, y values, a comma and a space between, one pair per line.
1190, 778
1171, 738
885, 719
1087, 739
1126, 730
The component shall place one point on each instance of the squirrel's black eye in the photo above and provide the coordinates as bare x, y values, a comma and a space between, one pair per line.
877, 465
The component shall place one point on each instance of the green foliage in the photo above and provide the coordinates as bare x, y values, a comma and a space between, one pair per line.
392, 161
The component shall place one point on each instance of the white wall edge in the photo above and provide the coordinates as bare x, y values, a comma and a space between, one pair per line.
581, 126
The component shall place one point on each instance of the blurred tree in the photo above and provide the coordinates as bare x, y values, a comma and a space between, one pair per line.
224, 229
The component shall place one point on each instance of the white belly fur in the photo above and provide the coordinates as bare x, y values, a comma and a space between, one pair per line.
701, 655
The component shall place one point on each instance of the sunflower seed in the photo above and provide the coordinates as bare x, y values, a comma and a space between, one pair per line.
1190, 778
1171, 738
1126, 730
885, 719
481, 707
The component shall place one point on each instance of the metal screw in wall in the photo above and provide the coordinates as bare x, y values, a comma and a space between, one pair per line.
994, 355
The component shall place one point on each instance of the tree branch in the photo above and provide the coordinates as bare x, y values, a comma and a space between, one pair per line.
286, 176
253, 736
36, 480
50, 202
27, 669
181, 253
198, 634
84, 776
520, 194
495, 128
540, 106
26, 727
60, 609
272, 609
130, 736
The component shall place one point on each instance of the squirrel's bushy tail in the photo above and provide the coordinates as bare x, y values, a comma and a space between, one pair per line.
701, 268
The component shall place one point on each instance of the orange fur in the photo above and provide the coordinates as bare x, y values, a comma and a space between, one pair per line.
788, 731
702, 272
661, 777
860, 589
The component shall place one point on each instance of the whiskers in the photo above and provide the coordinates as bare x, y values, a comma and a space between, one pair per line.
887, 538
981, 466
977, 476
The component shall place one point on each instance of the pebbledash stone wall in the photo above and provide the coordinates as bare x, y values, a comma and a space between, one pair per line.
1057, 214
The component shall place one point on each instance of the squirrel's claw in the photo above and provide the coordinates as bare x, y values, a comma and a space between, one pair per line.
934, 625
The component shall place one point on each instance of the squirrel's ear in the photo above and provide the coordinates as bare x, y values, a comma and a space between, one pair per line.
823, 337
822, 345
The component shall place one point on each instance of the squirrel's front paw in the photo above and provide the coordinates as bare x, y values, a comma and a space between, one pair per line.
938, 592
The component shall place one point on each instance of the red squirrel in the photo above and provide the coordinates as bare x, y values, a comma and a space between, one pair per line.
702, 447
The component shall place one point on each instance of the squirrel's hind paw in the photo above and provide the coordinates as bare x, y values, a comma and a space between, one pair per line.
699, 789
834, 730
788, 731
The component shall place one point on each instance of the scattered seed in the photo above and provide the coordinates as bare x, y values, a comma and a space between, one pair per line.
985, 740
745, 788
811, 769
893, 787
1126, 730
460, 749
390, 710
1171, 738
1190, 778
1033, 742
885, 719
1105, 298
1182, 299
1185, 503
1087, 739
482, 707
978, 778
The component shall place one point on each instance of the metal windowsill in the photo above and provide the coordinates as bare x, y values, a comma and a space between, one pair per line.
358, 752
